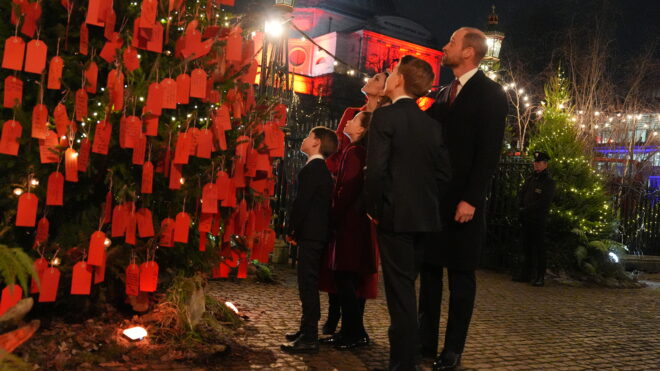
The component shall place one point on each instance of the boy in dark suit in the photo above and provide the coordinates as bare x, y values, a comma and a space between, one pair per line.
407, 173
309, 229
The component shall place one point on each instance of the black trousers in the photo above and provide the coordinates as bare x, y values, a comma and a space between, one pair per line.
534, 260
352, 307
401, 257
462, 290
309, 264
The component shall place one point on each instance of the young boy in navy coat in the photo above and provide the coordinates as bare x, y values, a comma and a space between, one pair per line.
309, 229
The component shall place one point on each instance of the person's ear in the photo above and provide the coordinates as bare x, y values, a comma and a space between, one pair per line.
468, 53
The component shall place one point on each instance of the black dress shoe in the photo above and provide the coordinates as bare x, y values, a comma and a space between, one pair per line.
447, 361
331, 340
539, 283
292, 336
352, 343
301, 346
520, 279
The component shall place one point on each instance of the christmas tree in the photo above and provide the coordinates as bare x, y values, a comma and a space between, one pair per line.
581, 206
133, 147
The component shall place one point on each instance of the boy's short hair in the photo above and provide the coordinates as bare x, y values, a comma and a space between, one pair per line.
417, 75
328, 138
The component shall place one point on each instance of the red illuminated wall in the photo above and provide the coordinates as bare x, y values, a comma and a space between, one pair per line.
378, 52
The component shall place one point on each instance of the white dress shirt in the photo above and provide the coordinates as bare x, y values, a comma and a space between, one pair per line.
463, 79
401, 97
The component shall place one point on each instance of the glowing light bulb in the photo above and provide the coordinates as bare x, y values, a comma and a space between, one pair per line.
18, 191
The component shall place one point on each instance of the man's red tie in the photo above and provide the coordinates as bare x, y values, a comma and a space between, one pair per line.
452, 91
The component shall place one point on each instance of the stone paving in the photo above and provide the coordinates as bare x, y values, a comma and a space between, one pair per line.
514, 327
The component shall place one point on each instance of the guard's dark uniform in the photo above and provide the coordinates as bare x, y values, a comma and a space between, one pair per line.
535, 198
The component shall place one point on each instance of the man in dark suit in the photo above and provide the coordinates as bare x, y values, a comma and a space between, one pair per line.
309, 228
407, 173
472, 113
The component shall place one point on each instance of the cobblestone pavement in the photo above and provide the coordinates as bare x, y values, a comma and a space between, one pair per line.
514, 327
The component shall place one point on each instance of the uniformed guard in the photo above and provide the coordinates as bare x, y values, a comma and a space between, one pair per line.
535, 198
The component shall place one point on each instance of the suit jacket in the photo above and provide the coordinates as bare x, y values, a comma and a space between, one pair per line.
351, 249
309, 218
407, 169
473, 128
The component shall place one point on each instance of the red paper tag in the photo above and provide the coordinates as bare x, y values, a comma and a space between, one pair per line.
26, 215
132, 280
183, 89
81, 280
42, 230
198, 83
110, 21
71, 165
242, 267
116, 89
167, 232
215, 228
55, 73
139, 150
131, 60
96, 12
234, 47
40, 265
109, 51
181, 227
193, 134
209, 199
230, 197
204, 143
154, 104
147, 177
62, 121
202, 241
81, 104
242, 147
96, 254
47, 148
205, 223
151, 125
119, 215
35, 56
148, 11
50, 281
14, 53
145, 224
102, 138
148, 276
84, 39
99, 271
131, 229
222, 182
13, 92
11, 295
91, 77
39, 121
55, 192
107, 208
182, 149
11, 133
168, 88
221, 118
83, 155
175, 176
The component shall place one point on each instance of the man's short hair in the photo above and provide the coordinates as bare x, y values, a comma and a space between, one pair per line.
328, 138
475, 39
417, 76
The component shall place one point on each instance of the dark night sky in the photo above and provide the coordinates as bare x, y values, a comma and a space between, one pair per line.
534, 28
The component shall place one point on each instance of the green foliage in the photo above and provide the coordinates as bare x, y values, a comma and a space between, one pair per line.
15, 264
592, 257
580, 202
10, 362
263, 272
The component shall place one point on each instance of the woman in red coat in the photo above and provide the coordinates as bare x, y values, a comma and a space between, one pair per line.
373, 91
353, 258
